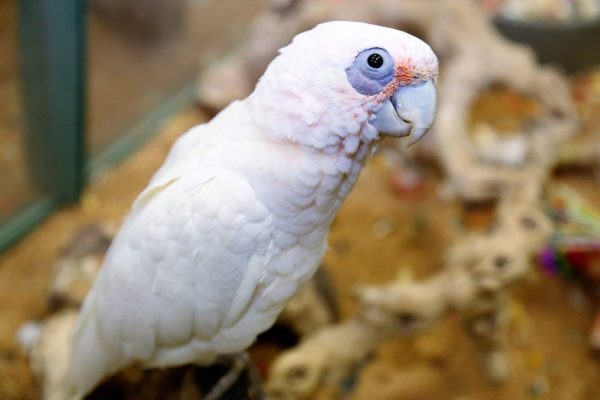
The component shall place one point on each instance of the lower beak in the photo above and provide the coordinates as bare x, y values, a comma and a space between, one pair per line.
408, 112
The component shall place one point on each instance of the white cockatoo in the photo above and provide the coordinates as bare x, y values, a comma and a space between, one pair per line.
237, 217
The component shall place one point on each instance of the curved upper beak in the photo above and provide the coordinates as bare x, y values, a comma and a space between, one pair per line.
409, 112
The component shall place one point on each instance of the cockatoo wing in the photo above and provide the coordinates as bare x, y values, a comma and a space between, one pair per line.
206, 227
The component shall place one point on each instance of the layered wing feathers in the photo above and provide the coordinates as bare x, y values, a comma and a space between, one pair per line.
184, 266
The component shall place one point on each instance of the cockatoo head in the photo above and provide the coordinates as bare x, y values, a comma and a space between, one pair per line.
349, 78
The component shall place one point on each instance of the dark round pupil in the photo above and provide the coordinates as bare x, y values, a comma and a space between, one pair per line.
375, 60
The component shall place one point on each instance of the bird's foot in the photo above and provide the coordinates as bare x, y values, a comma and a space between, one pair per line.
238, 363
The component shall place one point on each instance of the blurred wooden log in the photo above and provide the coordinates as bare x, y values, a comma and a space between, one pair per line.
474, 282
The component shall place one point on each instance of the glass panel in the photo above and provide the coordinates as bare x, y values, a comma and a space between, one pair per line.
16, 178
142, 51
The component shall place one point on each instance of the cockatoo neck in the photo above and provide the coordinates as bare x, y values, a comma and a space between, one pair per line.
326, 142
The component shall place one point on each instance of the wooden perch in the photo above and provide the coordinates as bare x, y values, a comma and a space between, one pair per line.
473, 282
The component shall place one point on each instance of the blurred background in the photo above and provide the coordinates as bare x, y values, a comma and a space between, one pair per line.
114, 63
93, 93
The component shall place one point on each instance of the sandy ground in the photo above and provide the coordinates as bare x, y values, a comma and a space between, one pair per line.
549, 319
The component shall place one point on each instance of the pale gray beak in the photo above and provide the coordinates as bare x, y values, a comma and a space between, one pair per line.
408, 112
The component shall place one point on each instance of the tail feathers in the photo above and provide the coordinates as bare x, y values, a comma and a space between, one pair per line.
90, 362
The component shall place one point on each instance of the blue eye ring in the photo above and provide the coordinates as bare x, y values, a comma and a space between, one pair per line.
372, 70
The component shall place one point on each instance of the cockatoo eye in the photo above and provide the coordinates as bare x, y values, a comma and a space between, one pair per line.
375, 60
371, 71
